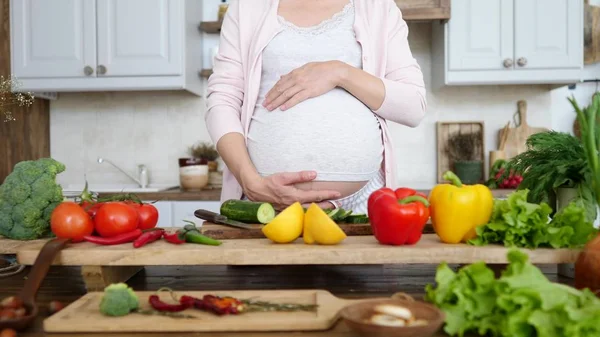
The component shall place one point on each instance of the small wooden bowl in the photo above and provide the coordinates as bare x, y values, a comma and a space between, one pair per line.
355, 315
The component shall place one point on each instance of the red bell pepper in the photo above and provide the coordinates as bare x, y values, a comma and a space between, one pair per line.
398, 217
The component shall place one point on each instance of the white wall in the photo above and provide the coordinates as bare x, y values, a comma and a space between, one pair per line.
155, 128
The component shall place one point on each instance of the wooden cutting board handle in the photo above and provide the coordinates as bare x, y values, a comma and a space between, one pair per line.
522, 114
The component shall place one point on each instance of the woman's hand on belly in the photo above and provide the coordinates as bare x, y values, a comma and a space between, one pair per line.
311, 80
281, 191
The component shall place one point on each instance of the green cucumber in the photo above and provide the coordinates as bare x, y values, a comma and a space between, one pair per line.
248, 211
357, 219
343, 215
335, 213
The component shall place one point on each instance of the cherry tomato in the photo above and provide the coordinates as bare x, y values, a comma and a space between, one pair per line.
70, 221
115, 218
148, 216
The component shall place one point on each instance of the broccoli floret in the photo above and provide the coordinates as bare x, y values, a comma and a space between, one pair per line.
27, 198
118, 300
15, 191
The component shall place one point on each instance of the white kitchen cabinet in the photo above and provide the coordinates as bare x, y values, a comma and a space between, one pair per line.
106, 45
482, 34
509, 42
184, 210
52, 46
165, 213
153, 43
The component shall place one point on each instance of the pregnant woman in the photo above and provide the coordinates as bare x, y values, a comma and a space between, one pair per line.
300, 96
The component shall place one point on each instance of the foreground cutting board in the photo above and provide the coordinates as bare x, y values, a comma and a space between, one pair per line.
517, 137
83, 316
221, 232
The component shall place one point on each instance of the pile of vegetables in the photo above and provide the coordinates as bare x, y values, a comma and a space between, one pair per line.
515, 222
554, 160
114, 220
120, 300
520, 303
587, 267
110, 222
253, 212
28, 197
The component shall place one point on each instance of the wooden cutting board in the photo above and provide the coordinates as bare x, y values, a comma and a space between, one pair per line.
221, 232
83, 315
517, 136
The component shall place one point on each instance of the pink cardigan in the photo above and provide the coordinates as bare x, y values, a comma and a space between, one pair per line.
248, 27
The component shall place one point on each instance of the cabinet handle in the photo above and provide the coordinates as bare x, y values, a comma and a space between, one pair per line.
87, 70
101, 70
508, 63
522, 62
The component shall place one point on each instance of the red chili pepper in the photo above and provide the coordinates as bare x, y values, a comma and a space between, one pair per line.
173, 238
148, 237
185, 302
398, 217
220, 305
115, 240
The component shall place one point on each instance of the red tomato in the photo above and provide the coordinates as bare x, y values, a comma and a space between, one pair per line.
148, 216
91, 208
70, 221
115, 218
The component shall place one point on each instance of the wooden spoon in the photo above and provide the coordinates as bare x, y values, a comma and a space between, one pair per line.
32, 284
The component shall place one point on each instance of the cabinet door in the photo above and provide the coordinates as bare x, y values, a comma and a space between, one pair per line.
548, 34
140, 37
165, 213
184, 210
53, 38
480, 35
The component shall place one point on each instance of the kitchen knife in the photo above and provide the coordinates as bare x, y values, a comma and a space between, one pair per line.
219, 219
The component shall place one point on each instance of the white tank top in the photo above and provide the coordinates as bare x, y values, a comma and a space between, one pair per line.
334, 134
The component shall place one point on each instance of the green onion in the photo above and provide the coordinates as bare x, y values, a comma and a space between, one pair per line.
590, 138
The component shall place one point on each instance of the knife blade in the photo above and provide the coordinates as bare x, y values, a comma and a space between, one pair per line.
219, 219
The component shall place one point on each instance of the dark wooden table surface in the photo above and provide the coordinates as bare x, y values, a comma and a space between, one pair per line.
65, 284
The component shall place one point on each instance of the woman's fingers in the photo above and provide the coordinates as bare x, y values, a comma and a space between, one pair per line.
279, 88
322, 205
284, 97
316, 196
291, 178
297, 98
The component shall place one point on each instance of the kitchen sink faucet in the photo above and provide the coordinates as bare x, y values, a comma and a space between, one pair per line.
142, 173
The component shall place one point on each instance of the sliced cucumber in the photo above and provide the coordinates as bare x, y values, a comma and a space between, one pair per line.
248, 211
344, 215
335, 213
357, 219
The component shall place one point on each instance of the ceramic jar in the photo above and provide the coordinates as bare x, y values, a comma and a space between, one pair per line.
193, 173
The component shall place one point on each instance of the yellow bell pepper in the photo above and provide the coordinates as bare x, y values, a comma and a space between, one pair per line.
457, 209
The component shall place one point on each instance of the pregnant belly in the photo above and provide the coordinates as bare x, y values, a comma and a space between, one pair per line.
335, 135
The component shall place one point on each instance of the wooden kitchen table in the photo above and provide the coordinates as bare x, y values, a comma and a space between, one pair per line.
66, 284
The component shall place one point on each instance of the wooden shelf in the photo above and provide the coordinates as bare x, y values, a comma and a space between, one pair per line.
205, 73
412, 10
354, 250
424, 10
210, 27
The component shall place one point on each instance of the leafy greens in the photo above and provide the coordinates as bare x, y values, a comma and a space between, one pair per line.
521, 303
554, 160
515, 222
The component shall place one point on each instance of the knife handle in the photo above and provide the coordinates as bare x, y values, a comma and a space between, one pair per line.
208, 215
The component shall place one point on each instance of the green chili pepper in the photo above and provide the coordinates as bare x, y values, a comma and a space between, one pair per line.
196, 237
193, 235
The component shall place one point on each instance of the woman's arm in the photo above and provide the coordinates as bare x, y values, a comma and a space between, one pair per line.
405, 95
399, 96
223, 120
